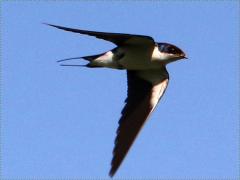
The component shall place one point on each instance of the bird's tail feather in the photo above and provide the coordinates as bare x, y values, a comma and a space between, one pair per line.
88, 58
93, 57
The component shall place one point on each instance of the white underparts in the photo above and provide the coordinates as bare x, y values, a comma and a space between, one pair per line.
106, 60
132, 58
157, 92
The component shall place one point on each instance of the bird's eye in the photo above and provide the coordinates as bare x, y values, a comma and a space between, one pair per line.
172, 50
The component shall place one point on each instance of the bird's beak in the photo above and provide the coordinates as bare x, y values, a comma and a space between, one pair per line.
184, 56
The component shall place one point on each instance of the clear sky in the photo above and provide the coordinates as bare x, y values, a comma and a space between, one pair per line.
60, 122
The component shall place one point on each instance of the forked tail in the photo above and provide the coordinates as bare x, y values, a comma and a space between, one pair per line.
88, 58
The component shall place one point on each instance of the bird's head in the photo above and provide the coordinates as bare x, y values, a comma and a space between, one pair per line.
170, 52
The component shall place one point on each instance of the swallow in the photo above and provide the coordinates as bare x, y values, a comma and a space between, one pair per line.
147, 78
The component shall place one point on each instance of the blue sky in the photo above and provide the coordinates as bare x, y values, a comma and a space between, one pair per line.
60, 122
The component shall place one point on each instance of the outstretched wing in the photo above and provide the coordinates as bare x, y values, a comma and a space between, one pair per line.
145, 88
116, 38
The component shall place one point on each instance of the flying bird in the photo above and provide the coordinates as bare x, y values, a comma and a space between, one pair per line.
147, 78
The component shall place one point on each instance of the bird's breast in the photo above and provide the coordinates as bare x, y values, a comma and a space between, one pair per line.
140, 58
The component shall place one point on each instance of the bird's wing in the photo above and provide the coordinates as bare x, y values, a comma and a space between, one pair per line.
145, 88
116, 38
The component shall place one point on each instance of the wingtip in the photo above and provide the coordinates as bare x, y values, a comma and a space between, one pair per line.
111, 173
52, 25
113, 170
46, 24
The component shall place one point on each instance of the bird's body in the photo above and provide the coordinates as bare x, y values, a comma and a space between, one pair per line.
130, 58
145, 62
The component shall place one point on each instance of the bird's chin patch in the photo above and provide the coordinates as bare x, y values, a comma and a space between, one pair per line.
175, 58
163, 56
171, 59
166, 58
